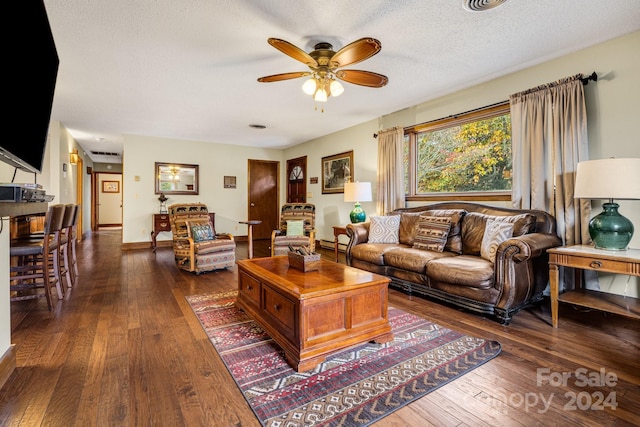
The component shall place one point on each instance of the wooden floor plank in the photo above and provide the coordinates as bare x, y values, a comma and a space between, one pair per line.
124, 348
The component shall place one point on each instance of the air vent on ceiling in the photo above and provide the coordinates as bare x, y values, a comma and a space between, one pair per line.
481, 5
105, 153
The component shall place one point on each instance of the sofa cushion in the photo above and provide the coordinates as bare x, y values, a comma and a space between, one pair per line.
409, 227
463, 270
495, 233
384, 229
373, 252
432, 233
411, 259
474, 223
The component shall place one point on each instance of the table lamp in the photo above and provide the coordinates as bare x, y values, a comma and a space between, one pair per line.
357, 192
609, 179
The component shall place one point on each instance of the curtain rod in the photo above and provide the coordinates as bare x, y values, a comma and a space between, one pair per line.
585, 81
375, 135
593, 77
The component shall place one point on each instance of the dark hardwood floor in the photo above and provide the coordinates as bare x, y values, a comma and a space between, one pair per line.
125, 349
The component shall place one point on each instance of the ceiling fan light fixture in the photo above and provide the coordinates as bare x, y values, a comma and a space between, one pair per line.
320, 95
309, 87
325, 67
336, 88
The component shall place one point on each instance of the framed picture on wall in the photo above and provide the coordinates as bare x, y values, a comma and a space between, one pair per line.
336, 171
110, 186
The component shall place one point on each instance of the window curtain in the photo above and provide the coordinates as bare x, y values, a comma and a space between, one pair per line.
390, 179
549, 138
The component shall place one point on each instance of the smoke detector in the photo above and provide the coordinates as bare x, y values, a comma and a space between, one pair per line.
481, 5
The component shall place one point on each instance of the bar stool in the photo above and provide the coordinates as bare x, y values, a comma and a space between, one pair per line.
38, 261
65, 242
74, 237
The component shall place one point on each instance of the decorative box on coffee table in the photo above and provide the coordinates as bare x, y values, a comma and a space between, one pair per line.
311, 314
309, 262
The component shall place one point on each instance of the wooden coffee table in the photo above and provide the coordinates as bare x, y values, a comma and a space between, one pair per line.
315, 313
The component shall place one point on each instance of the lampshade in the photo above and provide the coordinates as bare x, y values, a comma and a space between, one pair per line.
357, 192
336, 88
609, 179
309, 87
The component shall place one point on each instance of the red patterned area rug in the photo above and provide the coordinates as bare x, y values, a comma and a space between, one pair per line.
353, 387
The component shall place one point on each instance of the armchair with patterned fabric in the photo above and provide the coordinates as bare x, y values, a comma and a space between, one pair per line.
196, 246
297, 228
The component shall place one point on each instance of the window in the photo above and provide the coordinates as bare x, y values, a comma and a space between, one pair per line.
466, 157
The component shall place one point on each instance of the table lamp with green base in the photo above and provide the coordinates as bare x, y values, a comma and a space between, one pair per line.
357, 192
609, 179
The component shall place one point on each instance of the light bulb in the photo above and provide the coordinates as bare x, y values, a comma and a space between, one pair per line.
336, 88
309, 87
320, 96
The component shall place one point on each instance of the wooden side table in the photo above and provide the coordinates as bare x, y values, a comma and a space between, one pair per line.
337, 231
583, 257
250, 223
161, 224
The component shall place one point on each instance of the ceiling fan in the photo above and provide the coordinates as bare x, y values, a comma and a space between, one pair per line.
325, 65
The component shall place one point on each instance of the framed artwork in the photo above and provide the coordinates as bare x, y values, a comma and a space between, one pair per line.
229, 182
110, 186
336, 171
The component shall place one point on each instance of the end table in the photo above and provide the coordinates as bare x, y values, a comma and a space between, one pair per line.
584, 257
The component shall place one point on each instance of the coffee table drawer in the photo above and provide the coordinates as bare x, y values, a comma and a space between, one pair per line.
282, 310
249, 287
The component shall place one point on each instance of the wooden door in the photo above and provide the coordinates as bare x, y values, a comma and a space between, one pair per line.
264, 204
296, 180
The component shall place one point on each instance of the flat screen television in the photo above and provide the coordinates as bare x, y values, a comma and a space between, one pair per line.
31, 71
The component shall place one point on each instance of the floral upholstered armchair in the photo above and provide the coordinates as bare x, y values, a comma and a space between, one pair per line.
297, 228
196, 245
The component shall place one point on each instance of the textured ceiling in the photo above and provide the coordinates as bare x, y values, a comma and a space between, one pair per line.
187, 69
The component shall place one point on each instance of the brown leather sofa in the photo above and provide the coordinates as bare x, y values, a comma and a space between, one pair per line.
459, 274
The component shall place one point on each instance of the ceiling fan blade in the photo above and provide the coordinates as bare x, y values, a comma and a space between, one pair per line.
283, 76
362, 78
355, 52
293, 51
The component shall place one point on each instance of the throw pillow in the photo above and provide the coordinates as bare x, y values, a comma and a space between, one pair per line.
295, 228
384, 229
454, 239
495, 232
432, 233
202, 233
474, 224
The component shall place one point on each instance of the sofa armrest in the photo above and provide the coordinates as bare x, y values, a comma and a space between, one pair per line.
522, 270
225, 236
358, 233
526, 247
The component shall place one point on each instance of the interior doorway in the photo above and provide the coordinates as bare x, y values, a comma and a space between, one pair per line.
264, 201
296, 180
108, 200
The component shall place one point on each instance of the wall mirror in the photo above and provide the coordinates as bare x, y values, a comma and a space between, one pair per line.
176, 178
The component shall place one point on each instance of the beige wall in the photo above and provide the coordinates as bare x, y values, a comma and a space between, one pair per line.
215, 161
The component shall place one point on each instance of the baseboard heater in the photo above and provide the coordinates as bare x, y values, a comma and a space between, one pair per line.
329, 244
